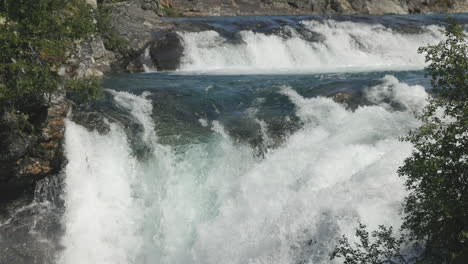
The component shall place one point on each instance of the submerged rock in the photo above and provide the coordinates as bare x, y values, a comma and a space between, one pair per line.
342, 97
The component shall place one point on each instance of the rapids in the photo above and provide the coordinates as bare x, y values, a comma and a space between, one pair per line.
240, 156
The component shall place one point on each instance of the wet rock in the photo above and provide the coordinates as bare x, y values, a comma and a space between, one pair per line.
99, 115
31, 157
91, 120
30, 232
342, 97
167, 51
28, 156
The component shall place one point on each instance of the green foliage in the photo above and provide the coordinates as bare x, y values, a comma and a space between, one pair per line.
436, 209
112, 40
437, 172
171, 11
448, 66
34, 39
23, 123
376, 248
85, 88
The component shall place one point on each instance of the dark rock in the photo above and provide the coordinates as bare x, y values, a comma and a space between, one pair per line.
293, 4
341, 97
13, 143
30, 232
350, 99
29, 155
462, 257
91, 120
167, 51
99, 115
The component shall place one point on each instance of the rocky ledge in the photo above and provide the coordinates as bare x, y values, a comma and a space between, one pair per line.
289, 7
28, 154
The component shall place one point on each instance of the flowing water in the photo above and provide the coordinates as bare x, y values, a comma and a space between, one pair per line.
240, 156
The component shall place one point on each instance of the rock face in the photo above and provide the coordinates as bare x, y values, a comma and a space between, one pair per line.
90, 58
31, 158
31, 233
285, 7
28, 156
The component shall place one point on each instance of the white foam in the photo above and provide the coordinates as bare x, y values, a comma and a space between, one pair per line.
339, 168
101, 216
411, 97
215, 202
147, 62
345, 46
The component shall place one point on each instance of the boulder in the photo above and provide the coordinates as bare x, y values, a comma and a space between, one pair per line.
167, 51
342, 97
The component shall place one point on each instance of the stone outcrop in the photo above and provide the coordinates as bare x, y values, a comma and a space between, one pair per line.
286, 7
90, 58
28, 154
31, 159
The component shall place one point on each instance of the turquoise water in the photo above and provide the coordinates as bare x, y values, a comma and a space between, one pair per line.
180, 101
241, 156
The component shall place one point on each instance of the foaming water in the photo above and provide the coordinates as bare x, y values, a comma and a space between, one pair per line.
101, 218
216, 201
327, 46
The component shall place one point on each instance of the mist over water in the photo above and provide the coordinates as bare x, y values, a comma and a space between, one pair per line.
240, 167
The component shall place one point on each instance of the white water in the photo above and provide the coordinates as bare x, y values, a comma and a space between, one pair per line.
217, 203
147, 63
101, 218
345, 46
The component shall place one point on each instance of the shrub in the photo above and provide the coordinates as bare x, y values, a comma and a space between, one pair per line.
34, 39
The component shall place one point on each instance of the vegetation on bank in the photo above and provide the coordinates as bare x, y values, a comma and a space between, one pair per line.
435, 228
35, 40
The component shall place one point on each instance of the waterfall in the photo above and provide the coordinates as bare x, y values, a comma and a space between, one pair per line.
328, 46
218, 202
